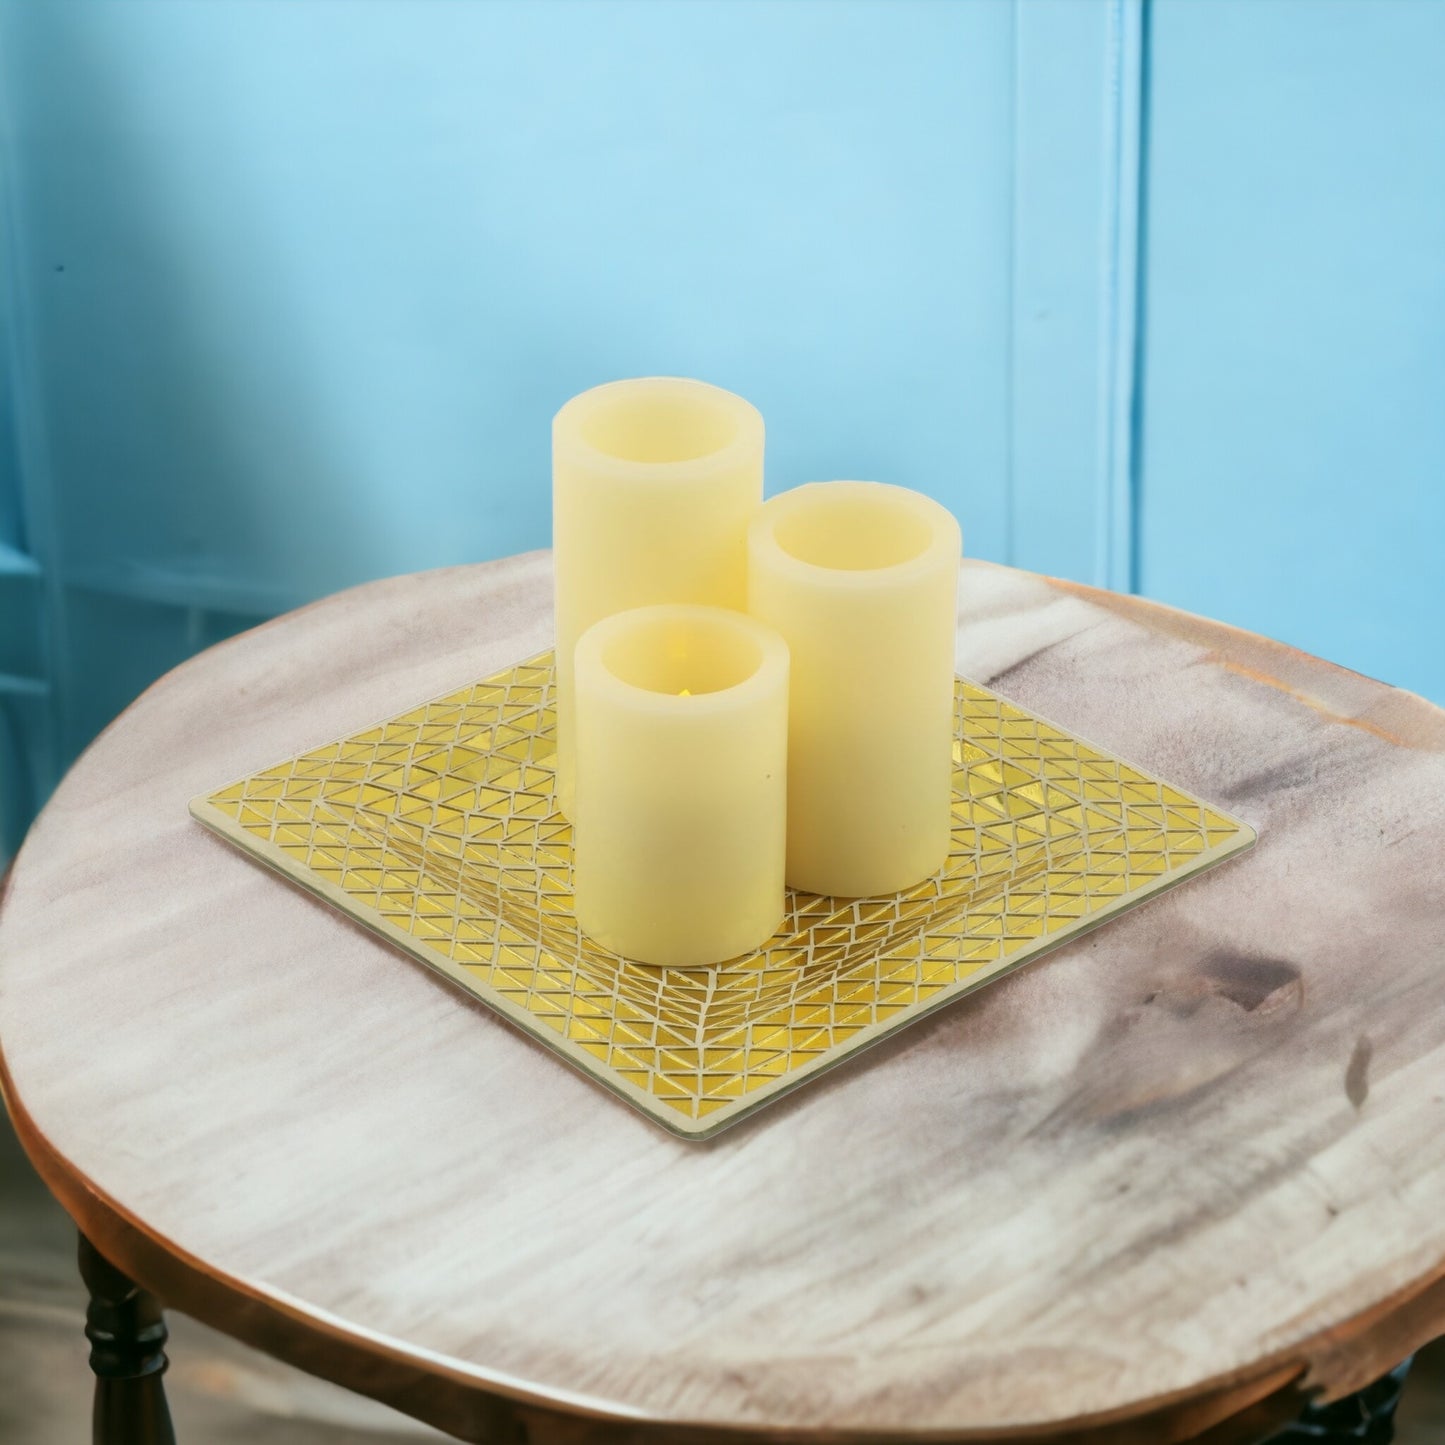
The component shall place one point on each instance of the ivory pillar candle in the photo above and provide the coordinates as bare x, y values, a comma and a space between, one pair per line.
861, 579
653, 484
680, 818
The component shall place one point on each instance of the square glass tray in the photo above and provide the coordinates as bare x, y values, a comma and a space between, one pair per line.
438, 829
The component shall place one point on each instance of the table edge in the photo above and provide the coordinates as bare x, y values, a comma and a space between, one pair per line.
470, 1402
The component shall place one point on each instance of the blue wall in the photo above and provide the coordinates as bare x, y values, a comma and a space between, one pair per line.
1293, 448
1150, 294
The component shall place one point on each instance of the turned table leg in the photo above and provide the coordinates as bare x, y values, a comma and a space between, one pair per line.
1367, 1418
127, 1334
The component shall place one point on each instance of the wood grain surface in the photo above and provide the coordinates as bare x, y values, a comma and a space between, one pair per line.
1172, 1173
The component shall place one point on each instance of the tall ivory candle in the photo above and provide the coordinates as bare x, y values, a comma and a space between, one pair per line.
678, 835
653, 484
861, 579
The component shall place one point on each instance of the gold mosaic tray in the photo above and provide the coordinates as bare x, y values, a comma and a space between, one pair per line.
438, 829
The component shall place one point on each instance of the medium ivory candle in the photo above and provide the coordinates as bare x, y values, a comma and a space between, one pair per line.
861, 579
681, 813
653, 484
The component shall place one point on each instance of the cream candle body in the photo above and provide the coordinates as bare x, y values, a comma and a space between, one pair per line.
654, 482
679, 833
861, 580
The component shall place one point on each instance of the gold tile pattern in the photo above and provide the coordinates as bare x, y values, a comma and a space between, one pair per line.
439, 830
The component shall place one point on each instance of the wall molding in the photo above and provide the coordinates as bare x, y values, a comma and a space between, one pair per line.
1079, 116
34, 734
1116, 535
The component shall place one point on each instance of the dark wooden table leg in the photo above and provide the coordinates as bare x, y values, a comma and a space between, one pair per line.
127, 1334
1367, 1418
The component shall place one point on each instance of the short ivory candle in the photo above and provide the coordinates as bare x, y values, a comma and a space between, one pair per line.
681, 813
654, 482
861, 579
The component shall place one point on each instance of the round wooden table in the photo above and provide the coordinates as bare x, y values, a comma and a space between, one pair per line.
1167, 1182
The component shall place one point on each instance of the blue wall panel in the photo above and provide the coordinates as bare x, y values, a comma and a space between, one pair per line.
308, 282
1294, 384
